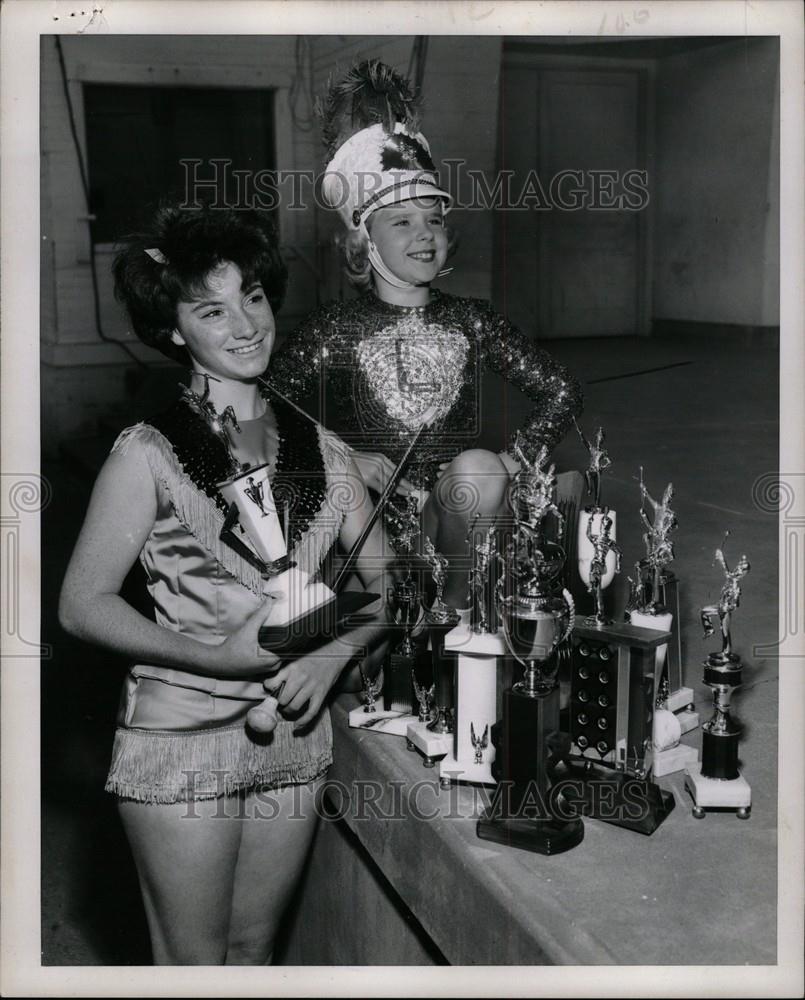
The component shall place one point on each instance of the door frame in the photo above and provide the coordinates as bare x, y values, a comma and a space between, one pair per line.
518, 54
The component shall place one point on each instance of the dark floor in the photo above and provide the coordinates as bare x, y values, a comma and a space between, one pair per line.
707, 422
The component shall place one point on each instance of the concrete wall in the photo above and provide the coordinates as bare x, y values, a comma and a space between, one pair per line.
716, 236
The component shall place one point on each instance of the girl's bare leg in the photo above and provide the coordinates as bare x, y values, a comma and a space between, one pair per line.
186, 854
275, 843
475, 482
216, 875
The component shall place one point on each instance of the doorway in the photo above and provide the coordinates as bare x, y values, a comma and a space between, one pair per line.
573, 261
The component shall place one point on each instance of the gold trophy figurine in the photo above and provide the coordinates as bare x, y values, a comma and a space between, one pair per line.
599, 575
599, 461
717, 782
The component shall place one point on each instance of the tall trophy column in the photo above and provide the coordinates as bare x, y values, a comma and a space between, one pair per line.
527, 811
717, 782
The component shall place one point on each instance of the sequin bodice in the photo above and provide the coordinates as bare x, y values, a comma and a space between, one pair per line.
390, 368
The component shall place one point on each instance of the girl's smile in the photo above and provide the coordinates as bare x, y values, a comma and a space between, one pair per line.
228, 330
411, 239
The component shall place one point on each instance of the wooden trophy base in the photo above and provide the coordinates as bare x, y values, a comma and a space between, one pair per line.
541, 836
522, 813
717, 793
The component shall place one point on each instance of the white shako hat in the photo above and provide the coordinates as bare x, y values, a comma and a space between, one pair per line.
373, 169
377, 155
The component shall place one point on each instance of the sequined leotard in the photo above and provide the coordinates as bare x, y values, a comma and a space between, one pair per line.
388, 367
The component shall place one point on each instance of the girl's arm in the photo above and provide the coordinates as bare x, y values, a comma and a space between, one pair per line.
297, 368
556, 394
119, 519
310, 678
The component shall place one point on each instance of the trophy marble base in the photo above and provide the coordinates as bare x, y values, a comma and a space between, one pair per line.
432, 746
675, 759
715, 793
393, 723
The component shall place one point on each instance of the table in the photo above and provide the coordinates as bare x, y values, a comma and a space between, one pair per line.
403, 879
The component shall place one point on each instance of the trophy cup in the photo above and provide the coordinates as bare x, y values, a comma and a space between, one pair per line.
480, 649
536, 616
717, 782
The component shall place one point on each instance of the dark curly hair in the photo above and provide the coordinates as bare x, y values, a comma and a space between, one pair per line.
188, 244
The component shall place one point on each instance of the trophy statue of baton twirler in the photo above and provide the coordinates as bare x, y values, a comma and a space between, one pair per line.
401, 520
401, 663
440, 619
654, 603
536, 616
598, 555
717, 783
480, 652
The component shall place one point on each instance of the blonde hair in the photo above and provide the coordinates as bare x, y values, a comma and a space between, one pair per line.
355, 250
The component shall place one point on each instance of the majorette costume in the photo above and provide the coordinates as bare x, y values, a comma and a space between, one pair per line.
390, 365
181, 735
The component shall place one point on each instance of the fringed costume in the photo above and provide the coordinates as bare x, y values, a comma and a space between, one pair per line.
182, 736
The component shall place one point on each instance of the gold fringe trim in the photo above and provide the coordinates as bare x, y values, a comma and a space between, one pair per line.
164, 767
197, 512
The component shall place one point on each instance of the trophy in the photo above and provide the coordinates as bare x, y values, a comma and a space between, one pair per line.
536, 616
424, 696
483, 616
370, 689
654, 600
480, 652
599, 571
252, 524
440, 619
598, 555
405, 601
252, 528
717, 782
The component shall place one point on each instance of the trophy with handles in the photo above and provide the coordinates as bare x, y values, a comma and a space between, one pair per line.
536, 616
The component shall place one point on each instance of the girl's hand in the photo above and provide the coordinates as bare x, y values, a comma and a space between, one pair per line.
241, 652
377, 469
306, 680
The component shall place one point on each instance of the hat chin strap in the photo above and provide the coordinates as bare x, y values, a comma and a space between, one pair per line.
377, 263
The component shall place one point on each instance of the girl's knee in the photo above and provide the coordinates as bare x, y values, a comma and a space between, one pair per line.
476, 462
250, 952
475, 481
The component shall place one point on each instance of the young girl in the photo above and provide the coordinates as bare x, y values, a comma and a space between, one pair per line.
403, 353
219, 819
